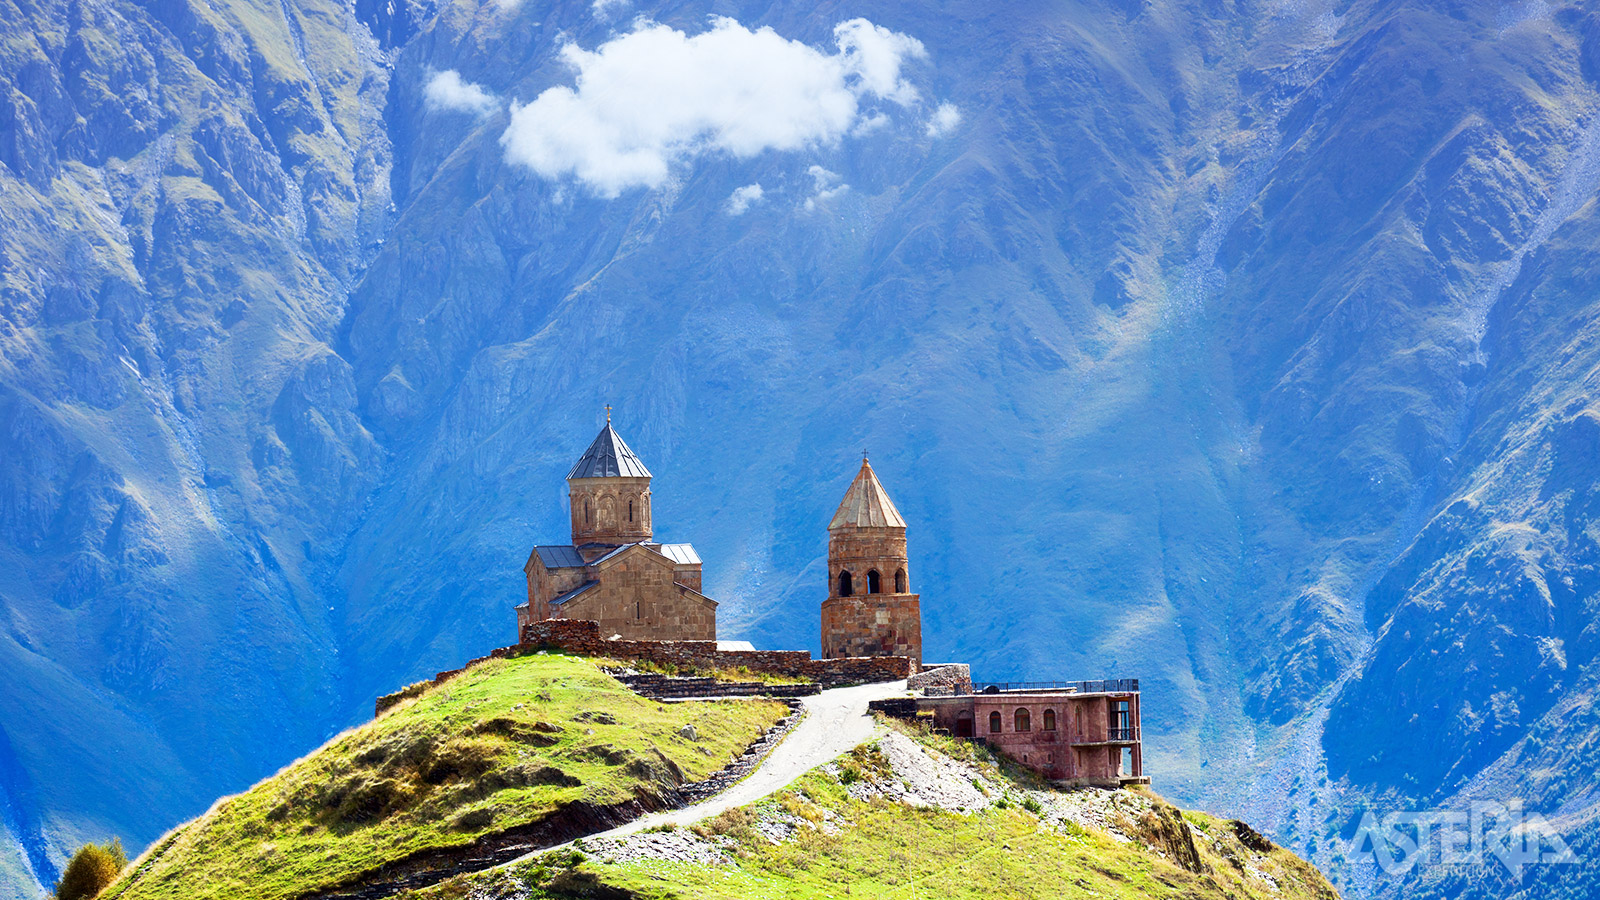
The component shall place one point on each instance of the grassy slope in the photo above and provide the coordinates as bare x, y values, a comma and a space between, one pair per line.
503, 744
890, 849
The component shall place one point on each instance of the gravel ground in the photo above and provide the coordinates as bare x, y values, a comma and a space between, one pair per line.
919, 777
676, 845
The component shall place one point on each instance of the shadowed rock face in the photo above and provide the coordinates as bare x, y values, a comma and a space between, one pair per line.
1233, 346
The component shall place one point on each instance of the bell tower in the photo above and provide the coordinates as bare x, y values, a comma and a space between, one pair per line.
609, 488
870, 610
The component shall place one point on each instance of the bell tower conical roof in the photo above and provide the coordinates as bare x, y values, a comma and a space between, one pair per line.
608, 457
866, 504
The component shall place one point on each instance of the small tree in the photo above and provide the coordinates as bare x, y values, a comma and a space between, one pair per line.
91, 871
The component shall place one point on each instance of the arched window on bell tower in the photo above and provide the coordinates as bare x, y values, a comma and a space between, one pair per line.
845, 587
874, 582
900, 581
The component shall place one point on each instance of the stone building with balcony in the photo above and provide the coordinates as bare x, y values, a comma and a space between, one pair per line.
1073, 733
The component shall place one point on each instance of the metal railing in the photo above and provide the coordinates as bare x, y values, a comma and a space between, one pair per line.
1112, 685
1122, 734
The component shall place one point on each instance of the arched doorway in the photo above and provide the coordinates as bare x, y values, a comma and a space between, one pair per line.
964, 723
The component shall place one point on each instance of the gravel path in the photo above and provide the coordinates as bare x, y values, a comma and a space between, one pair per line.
836, 721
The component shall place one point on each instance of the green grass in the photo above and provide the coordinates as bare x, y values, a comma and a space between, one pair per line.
506, 743
886, 849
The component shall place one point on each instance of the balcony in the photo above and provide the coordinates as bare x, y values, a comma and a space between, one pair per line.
1108, 686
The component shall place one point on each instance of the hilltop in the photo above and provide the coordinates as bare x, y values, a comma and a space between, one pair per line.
540, 744
546, 748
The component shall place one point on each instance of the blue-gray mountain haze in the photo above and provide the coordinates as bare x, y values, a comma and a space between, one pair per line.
1247, 348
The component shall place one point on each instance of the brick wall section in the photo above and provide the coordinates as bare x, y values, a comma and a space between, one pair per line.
638, 598
873, 625
581, 636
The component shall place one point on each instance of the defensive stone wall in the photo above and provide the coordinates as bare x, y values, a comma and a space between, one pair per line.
582, 636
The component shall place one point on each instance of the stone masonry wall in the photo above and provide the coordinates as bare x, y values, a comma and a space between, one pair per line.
637, 598
583, 636
580, 636
873, 625
942, 680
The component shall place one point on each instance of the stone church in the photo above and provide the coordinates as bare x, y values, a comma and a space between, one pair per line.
613, 572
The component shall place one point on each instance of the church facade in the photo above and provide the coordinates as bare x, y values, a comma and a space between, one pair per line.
614, 572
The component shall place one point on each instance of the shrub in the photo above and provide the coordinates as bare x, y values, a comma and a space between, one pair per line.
91, 870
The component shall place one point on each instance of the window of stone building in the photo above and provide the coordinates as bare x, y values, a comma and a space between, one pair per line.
900, 581
873, 583
588, 513
1022, 723
994, 723
845, 588
1049, 720
630, 510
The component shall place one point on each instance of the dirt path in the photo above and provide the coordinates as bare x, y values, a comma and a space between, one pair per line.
836, 721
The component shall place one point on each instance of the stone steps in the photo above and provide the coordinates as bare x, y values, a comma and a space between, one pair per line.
668, 687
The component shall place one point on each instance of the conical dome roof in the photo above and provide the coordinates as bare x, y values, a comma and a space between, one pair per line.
608, 457
866, 504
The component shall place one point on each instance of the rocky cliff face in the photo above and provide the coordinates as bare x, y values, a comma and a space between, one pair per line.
1244, 347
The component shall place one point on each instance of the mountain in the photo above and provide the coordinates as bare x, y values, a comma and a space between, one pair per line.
1245, 348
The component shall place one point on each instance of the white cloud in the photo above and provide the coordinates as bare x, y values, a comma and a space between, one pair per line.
825, 186
742, 198
871, 123
656, 97
604, 7
944, 120
873, 55
447, 90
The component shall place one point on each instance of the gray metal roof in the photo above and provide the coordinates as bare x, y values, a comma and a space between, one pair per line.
560, 557
573, 593
682, 554
602, 558
609, 457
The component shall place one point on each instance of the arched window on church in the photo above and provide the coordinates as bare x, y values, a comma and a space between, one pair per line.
588, 513
638, 610
994, 722
845, 588
1022, 723
630, 510
874, 585
900, 581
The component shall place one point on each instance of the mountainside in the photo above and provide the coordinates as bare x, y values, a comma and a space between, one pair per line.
1245, 348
